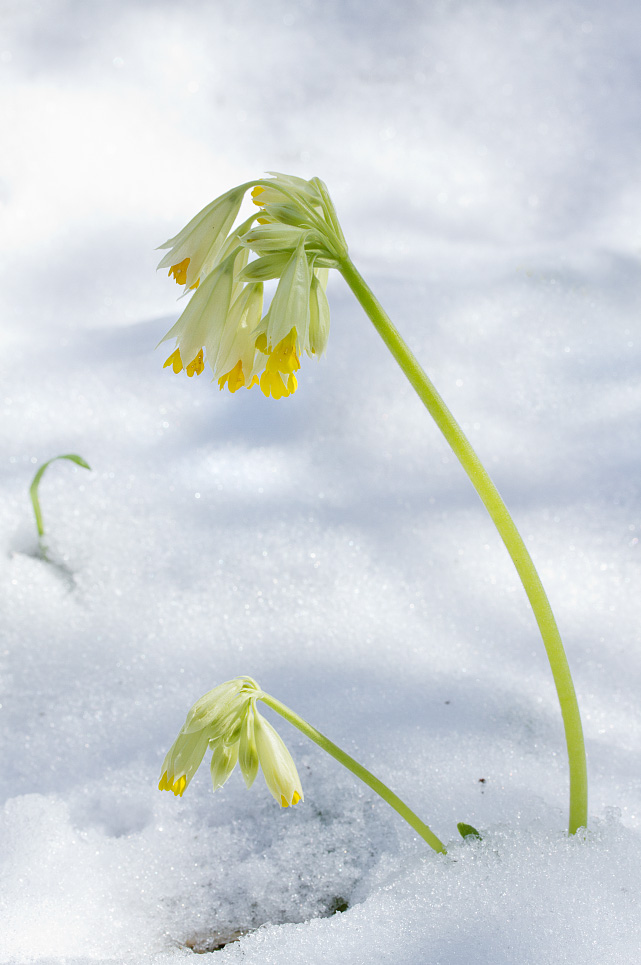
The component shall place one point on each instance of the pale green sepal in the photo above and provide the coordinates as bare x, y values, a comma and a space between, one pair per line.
287, 214
320, 261
272, 238
234, 194
200, 296
237, 342
276, 763
287, 185
232, 735
266, 267
185, 756
223, 762
318, 318
203, 238
214, 212
206, 312
247, 751
237, 237
241, 261
213, 709
292, 181
290, 305
221, 721
330, 213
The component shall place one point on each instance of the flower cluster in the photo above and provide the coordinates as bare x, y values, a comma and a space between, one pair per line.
296, 238
227, 721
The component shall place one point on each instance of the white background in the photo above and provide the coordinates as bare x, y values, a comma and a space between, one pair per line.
484, 159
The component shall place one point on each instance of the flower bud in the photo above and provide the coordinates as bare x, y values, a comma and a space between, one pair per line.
277, 764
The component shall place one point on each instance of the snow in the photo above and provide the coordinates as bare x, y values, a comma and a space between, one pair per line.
483, 158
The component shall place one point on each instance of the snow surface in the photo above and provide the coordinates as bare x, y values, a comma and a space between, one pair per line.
484, 159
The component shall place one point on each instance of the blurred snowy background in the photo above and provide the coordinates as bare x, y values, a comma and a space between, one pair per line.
484, 159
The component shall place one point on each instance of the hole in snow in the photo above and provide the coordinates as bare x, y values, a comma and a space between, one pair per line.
213, 941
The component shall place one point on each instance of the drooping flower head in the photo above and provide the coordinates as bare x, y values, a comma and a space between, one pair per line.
296, 238
227, 721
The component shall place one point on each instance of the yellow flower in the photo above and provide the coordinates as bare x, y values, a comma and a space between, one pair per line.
227, 721
194, 328
193, 250
297, 240
215, 714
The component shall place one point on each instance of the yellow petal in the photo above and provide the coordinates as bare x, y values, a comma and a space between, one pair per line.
196, 366
234, 379
179, 271
175, 361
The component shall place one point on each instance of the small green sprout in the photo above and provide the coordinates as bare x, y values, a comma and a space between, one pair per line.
467, 831
33, 492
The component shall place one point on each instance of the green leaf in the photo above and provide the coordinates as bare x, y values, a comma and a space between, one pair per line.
467, 831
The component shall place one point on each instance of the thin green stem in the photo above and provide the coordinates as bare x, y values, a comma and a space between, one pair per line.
35, 500
35, 486
361, 772
507, 530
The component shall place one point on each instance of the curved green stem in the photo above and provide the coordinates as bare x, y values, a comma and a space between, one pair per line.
507, 530
361, 772
35, 485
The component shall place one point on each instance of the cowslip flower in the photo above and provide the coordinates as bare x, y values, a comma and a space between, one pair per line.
296, 241
227, 721
193, 250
